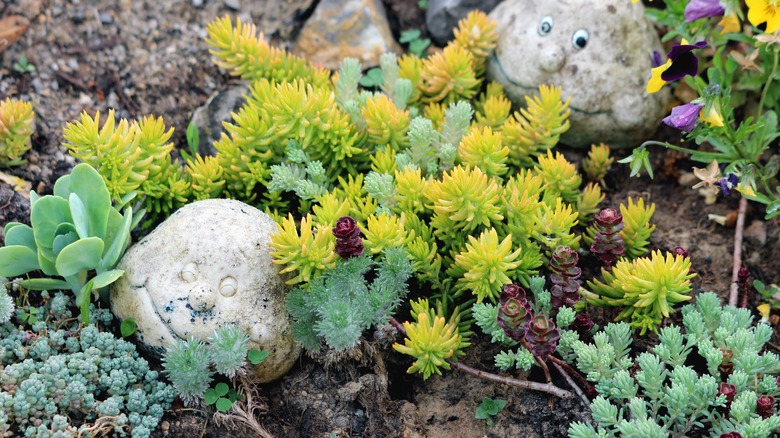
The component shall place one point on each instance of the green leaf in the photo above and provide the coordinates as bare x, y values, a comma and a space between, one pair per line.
373, 78
83, 298
223, 404
45, 284
418, 46
82, 255
773, 209
489, 408
105, 278
193, 138
64, 235
20, 234
79, 214
128, 327
47, 214
222, 389
210, 397
87, 183
120, 237
16, 260
410, 35
256, 356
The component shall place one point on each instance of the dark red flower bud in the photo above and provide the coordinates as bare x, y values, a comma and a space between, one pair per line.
731, 435
514, 314
679, 250
542, 336
565, 277
582, 323
608, 243
512, 291
729, 391
346, 228
765, 406
348, 241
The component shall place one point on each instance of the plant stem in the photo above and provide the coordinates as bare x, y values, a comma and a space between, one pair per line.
571, 383
768, 81
674, 147
738, 231
524, 384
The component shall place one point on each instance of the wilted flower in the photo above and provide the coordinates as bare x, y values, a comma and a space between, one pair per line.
680, 62
764, 14
683, 117
709, 177
702, 9
728, 183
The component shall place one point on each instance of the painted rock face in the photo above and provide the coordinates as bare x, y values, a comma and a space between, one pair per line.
598, 51
208, 265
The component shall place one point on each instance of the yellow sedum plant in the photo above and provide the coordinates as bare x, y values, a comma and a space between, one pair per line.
646, 288
16, 128
636, 227
485, 266
306, 253
432, 339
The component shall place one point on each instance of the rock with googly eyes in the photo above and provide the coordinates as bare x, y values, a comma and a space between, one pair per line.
600, 52
208, 265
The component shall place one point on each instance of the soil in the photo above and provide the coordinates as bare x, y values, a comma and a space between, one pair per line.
146, 57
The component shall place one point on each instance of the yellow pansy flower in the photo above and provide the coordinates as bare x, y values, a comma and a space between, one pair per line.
764, 12
712, 117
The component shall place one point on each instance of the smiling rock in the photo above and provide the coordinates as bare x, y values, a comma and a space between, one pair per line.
206, 266
598, 51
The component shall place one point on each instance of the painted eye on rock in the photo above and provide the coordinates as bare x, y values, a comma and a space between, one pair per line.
228, 287
580, 39
545, 26
189, 273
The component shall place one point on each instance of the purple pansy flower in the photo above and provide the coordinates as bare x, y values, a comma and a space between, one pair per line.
703, 8
728, 183
684, 63
683, 117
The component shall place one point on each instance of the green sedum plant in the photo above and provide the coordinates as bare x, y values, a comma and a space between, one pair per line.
663, 393
59, 378
73, 233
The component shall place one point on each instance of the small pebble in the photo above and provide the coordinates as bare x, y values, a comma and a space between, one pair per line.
233, 4
37, 84
197, 3
106, 18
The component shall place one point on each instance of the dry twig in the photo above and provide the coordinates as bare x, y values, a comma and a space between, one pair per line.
738, 231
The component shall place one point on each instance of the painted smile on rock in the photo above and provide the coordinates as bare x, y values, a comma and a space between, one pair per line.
494, 60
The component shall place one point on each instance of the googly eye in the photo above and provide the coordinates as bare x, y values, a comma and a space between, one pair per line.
580, 39
228, 287
189, 273
545, 26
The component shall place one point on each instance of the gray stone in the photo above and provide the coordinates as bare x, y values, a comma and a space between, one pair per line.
606, 79
209, 264
197, 3
442, 16
106, 18
339, 29
233, 4
217, 109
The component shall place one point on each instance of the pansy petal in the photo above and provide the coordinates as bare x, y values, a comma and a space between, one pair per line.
683, 117
656, 83
764, 12
713, 118
697, 9
686, 64
730, 24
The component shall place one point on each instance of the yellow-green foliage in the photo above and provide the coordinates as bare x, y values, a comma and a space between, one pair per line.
410, 190
448, 76
477, 34
131, 157
646, 288
206, 177
636, 227
553, 226
464, 199
493, 110
410, 67
560, 177
383, 161
305, 254
537, 127
432, 339
482, 148
329, 209
485, 266
384, 230
240, 50
588, 202
597, 163
387, 125
16, 128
